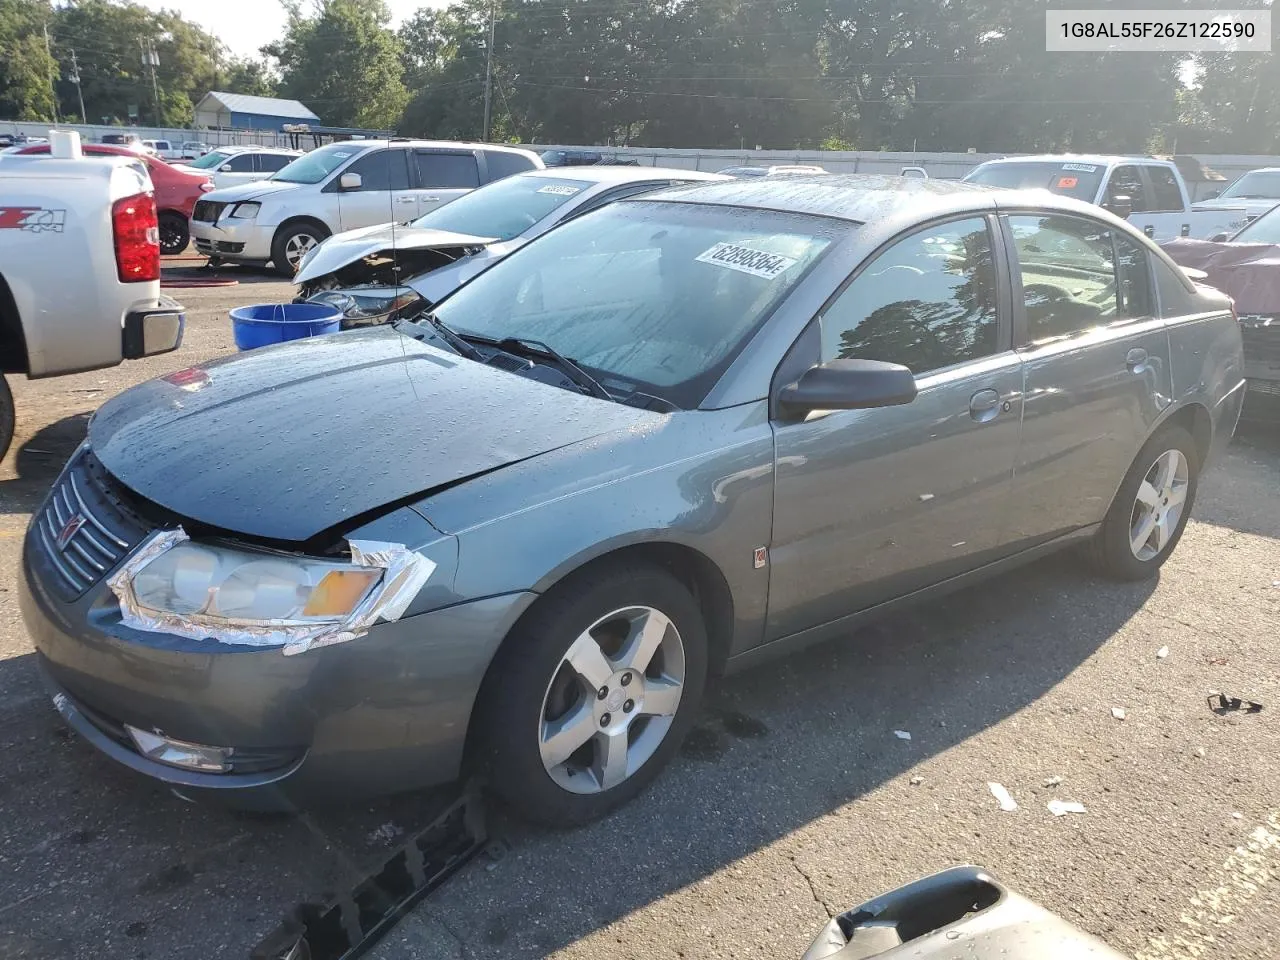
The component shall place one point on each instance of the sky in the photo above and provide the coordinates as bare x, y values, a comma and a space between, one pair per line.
245, 25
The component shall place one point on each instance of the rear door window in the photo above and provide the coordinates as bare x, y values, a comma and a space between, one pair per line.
271, 162
447, 171
1165, 194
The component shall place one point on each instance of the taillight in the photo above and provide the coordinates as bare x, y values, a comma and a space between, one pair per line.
137, 235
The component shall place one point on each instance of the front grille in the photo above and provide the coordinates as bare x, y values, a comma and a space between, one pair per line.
207, 211
1261, 335
86, 527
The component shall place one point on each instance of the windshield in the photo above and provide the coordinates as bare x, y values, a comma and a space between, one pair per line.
1069, 179
318, 164
210, 160
1266, 229
650, 297
504, 209
1258, 185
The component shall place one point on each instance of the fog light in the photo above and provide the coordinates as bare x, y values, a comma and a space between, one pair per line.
179, 753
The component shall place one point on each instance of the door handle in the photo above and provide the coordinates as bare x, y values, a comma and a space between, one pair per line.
406, 199
431, 199
984, 405
1136, 360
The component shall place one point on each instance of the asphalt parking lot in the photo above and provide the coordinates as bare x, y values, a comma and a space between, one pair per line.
793, 798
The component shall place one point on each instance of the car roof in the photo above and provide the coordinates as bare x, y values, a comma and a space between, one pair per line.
854, 197
621, 174
240, 148
441, 144
1101, 159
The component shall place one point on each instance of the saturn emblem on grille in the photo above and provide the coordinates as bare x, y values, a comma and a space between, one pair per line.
69, 530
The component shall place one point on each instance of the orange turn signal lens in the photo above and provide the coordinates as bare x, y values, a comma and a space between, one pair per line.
338, 592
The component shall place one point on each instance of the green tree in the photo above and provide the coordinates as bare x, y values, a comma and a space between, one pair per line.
344, 63
251, 77
25, 67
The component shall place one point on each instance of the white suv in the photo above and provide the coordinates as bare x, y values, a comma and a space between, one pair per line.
230, 166
340, 187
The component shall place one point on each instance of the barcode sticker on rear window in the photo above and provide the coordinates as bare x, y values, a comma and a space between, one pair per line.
559, 191
758, 263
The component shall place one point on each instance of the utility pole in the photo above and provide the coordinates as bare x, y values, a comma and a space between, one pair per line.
75, 78
152, 59
488, 71
53, 85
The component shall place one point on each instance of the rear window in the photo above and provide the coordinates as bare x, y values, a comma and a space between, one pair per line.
447, 171
504, 210
1066, 178
501, 163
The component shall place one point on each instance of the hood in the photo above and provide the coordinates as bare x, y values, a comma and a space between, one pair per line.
343, 249
254, 190
1249, 273
283, 443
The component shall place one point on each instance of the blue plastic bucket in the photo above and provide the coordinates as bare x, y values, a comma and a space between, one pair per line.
265, 323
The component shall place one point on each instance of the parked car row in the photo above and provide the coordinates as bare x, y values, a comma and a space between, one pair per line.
547, 505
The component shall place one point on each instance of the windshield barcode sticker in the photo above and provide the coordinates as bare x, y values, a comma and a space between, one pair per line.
559, 191
1082, 167
758, 263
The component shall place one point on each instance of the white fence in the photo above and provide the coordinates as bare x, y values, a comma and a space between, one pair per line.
857, 161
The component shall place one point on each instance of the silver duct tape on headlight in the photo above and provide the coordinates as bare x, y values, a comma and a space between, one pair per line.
405, 572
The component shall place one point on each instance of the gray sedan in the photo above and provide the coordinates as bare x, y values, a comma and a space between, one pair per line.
674, 437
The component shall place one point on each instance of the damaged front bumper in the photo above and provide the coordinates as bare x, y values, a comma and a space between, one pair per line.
376, 704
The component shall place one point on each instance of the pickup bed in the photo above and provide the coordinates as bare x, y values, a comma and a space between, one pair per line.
1149, 193
79, 268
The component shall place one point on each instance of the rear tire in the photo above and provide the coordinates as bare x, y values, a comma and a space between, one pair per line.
6, 416
1151, 508
174, 233
627, 632
292, 243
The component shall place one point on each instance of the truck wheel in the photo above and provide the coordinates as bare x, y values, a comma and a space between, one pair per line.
293, 243
174, 234
6, 416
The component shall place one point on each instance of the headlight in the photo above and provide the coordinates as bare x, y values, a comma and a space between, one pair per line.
370, 305
245, 211
200, 580
205, 591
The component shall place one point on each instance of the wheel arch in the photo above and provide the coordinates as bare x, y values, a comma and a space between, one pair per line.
13, 342
1195, 418
298, 220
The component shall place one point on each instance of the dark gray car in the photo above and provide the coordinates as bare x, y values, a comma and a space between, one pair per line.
365, 562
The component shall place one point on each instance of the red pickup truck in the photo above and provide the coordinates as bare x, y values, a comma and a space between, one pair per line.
176, 190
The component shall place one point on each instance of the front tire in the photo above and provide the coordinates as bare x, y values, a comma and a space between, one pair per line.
592, 693
293, 243
1151, 508
174, 233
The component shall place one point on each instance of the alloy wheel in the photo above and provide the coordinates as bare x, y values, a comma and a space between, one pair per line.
297, 247
1158, 506
612, 699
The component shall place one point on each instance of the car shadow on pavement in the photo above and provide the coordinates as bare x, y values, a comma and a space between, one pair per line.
37, 462
104, 863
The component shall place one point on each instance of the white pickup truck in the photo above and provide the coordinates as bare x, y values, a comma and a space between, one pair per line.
1149, 193
79, 267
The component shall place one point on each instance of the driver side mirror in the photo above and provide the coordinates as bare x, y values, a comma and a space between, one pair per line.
225, 168
850, 385
350, 181
1120, 204
1219, 238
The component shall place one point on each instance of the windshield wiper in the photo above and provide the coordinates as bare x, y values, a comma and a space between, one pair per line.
575, 373
450, 336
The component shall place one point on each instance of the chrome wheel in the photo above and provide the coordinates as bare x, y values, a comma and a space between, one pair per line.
1158, 507
612, 699
297, 247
